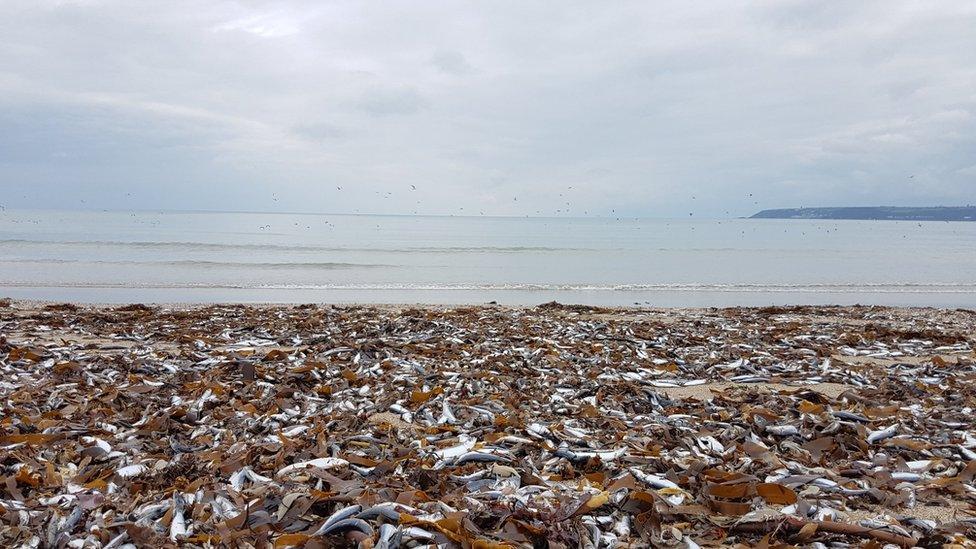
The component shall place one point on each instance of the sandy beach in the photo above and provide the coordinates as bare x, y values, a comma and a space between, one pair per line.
488, 426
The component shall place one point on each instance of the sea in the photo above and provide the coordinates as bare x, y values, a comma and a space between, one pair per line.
195, 257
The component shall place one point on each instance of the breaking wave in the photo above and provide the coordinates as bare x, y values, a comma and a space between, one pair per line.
947, 288
217, 247
328, 265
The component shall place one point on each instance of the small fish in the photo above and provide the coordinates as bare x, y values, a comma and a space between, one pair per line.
389, 537
295, 430
245, 474
920, 466
850, 416
130, 471
116, 541
479, 457
782, 430
447, 415
882, 434
906, 476
386, 510
320, 463
70, 521
467, 443
652, 480
177, 528
926, 525
338, 516
417, 533
345, 524
711, 444
584, 455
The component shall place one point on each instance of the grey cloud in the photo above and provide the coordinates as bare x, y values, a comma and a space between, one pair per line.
321, 131
390, 101
451, 62
638, 107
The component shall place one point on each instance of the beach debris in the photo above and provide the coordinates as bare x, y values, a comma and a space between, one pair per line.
491, 427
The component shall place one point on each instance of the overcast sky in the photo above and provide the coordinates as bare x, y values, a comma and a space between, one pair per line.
507, 108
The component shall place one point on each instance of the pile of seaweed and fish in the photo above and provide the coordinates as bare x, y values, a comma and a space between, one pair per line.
486, 427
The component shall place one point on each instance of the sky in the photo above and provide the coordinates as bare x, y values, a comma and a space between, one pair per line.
659, 109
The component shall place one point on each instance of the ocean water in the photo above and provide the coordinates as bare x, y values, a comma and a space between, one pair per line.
277, 257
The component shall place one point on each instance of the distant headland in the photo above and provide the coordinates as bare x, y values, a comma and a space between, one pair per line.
888, 213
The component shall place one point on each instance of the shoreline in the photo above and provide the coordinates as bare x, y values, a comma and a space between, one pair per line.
487, 424
517, 298
189, 306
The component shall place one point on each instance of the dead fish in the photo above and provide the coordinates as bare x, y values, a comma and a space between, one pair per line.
710, 444
882, 434
850, 416
345, 524
416, 533
749, 379
503, 471
479, 457
477, 475
385, 510
180, 448
177, 528
782, 430
222, 507
338, 516
595, 535
483, 411
920, 466
622, 527
584, 455
149, 513
295, 430
881, 525
811, 511
652, 480
405, 415
130, 471
389, 538
320, 463
663, 384
906, 476
467, 443
68, 524
447, 415
61, 500
538, 430
246, 474
926, 525
824, 483
116, 541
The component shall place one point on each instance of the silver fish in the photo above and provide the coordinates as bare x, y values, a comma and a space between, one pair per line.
177, 528
338, 516
321, 463
882, 434
345, 524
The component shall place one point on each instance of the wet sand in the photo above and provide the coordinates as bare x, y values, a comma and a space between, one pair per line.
484, 426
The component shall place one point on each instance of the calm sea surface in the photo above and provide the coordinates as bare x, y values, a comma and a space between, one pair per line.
246, 257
